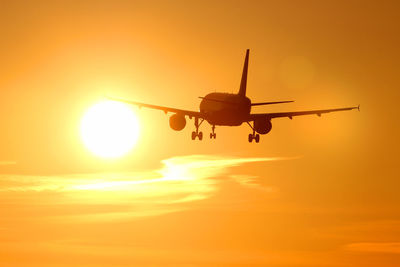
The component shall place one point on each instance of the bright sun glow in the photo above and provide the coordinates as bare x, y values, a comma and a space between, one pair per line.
110, 129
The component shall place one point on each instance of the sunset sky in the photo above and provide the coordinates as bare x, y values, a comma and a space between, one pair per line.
316, 191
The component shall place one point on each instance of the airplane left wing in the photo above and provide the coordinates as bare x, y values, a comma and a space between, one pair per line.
189, 113
289, 115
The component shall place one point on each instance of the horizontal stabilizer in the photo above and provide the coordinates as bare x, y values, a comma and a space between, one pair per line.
217, 100
270, 103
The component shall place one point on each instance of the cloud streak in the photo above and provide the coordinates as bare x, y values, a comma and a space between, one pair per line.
9, 162
148, 193
375, 247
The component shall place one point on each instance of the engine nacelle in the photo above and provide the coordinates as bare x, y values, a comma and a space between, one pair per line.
177, 122
262, 126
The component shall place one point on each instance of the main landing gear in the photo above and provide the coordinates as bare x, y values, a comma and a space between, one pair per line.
197, 133
200, 134
253, 136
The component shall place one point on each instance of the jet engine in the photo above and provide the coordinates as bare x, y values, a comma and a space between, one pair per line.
177, 122
262, 126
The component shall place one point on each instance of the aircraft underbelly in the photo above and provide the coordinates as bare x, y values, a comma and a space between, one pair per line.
225, 109
225, 118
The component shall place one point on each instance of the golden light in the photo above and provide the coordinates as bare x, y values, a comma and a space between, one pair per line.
110, 129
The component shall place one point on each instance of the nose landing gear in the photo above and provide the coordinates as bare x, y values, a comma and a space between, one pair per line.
213, 134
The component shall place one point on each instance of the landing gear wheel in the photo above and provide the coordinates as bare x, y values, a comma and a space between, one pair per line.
197, 125
257, 138
250, 138
213, 134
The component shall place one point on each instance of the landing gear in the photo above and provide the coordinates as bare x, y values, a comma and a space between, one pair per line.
213, 134
197, 133
253, 136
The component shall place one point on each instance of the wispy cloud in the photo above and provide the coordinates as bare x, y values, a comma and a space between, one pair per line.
376, 229
252, 181
7, 162
146, 193
376, 247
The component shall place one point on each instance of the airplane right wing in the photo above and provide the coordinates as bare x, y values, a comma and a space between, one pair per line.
297, 113
189, 113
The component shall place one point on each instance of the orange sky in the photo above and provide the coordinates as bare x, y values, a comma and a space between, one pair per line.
314, 192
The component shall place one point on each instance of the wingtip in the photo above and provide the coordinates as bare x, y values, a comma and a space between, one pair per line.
358, 107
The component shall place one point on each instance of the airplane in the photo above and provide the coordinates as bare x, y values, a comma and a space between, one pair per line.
227, 109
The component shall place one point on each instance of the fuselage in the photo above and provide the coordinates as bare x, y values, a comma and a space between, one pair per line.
225, 109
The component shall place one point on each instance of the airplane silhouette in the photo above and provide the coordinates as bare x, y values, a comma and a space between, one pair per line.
224, 109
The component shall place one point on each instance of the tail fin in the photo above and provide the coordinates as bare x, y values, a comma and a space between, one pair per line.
242, 89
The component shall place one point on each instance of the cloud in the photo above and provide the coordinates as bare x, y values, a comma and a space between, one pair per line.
147, 193
377, 229
375, 247
7, 162
252, 181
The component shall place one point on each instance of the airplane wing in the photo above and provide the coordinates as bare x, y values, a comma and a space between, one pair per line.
297, 113
189, 113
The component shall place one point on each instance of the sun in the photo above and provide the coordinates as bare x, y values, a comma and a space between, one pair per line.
109, 129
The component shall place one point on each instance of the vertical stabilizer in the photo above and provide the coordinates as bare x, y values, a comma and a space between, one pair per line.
242, 90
